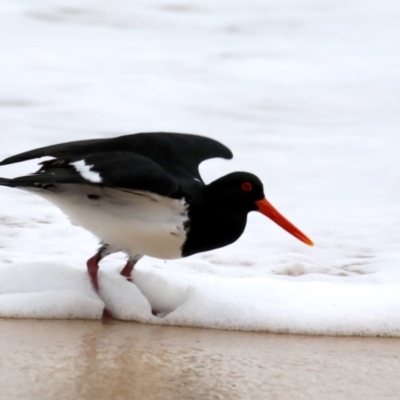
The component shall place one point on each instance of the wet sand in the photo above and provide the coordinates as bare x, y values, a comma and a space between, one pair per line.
116, 360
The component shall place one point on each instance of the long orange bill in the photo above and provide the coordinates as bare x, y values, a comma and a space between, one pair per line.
266, 208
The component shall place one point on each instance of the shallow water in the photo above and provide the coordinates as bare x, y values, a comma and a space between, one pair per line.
96, 360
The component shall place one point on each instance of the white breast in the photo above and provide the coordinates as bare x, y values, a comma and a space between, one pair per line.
136, 222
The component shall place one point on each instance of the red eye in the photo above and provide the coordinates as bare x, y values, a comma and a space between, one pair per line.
247, 186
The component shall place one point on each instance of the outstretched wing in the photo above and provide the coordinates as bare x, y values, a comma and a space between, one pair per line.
120, 170
179, 154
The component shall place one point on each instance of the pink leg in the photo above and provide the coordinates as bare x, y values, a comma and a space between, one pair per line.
93, 267
106, 315
127, 270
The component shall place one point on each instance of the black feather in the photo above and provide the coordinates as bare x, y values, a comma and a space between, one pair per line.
179, 154
116, 169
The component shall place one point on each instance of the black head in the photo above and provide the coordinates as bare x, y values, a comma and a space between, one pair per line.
239, 190
244, 192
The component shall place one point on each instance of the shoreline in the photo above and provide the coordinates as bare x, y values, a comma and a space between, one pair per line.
64, 359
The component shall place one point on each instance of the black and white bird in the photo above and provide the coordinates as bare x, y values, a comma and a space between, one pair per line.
142, 194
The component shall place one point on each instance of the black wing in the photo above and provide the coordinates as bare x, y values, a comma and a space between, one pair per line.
179, 154
114, 169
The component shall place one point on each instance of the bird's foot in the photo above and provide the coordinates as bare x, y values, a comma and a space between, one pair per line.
93, 267
107, 315
128, 268
127, 271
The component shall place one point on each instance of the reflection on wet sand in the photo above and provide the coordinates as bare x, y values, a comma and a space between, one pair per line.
117, 360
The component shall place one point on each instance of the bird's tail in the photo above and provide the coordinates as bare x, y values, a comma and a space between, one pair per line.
20, 182
29, 182
7, 182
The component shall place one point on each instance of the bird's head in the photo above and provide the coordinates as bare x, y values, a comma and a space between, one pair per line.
245, 192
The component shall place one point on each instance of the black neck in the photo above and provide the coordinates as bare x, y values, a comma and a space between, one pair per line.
212, 227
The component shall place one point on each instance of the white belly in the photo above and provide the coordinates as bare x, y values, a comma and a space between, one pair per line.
136, 222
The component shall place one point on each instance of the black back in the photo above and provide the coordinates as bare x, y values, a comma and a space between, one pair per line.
179, 154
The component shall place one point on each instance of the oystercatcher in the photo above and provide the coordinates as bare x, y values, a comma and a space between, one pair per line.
142, 194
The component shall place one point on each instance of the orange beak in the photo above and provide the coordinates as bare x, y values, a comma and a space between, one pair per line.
264, 207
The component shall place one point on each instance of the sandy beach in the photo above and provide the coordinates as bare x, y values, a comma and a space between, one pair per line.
115, 360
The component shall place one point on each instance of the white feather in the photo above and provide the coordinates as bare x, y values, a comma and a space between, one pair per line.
135, 222
86, 173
